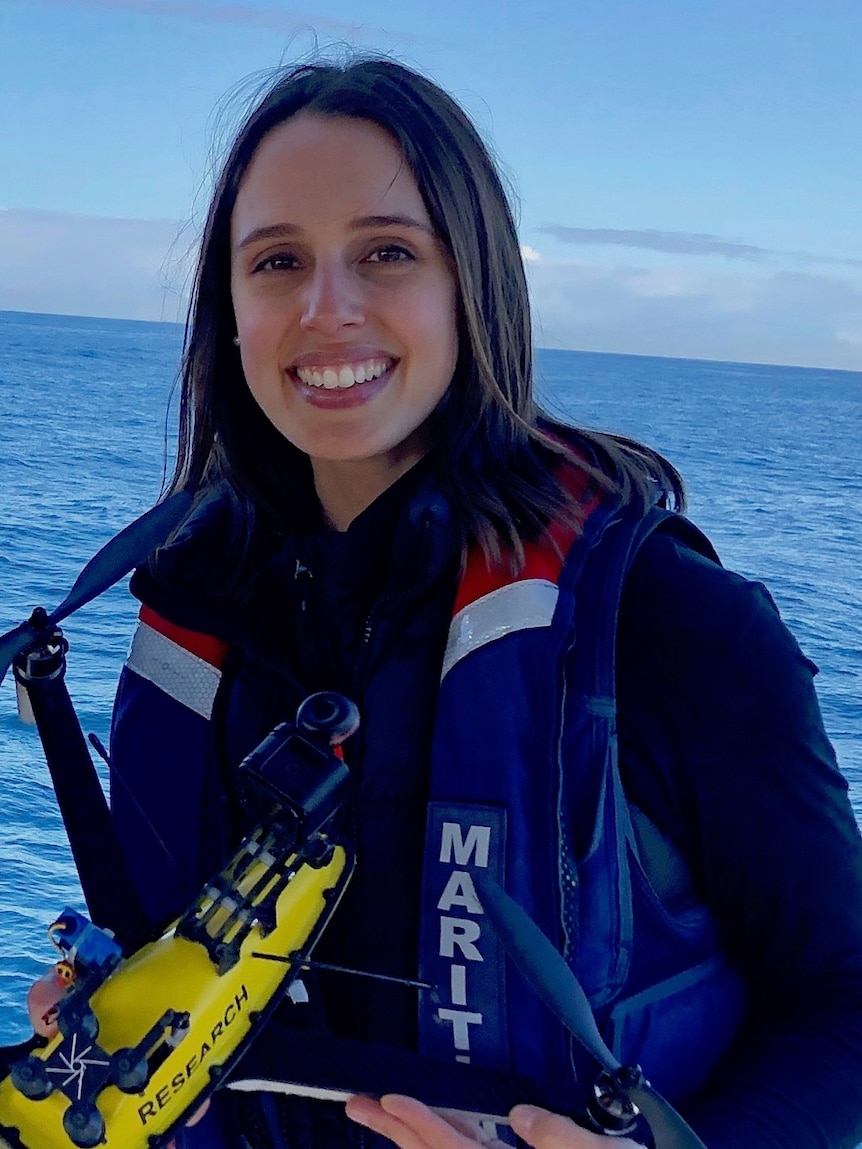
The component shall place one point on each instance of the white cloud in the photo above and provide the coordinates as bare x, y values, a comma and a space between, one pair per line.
138, 269
684, 243
853, 336
664, 282
90, 265
777, 317
529, 254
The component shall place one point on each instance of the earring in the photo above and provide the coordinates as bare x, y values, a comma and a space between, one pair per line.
236, 341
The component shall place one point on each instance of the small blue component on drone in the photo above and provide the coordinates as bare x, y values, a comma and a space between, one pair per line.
86, 946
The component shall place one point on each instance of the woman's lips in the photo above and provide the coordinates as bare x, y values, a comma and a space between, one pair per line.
341, 376
343, 384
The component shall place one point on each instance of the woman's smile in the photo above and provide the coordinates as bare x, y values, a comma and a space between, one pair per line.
341, 377
344, 297
344, 378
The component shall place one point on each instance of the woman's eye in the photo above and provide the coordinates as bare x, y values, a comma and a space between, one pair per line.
390, 253
281, 262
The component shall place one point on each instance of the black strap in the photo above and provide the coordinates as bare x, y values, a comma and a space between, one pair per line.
99, 860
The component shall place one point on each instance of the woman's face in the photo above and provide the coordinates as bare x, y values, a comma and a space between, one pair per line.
345, 299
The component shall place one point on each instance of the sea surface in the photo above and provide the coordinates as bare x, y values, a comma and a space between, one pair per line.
772, 457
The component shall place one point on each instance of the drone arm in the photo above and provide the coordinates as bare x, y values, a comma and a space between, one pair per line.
96, 851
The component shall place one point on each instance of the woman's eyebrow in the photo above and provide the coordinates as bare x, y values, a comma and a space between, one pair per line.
367, 221
290, 230
271, 231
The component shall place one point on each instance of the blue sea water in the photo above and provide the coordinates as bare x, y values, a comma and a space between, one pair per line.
772, 457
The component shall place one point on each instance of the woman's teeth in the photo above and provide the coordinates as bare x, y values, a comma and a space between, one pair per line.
342, 377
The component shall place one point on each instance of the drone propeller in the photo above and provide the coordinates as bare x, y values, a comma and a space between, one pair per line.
121, 554
556, 985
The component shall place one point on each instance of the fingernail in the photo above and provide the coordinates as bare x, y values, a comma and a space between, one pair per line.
523, 1118
353, 1109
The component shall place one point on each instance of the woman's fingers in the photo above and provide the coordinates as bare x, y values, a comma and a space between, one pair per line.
199, 1114
43, 999
544, 1130
420, 1130
193, 1120
412, 1125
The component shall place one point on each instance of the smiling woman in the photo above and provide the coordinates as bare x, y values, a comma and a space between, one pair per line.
559, 685
345, 304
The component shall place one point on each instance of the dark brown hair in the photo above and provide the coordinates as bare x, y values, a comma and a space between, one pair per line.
497, 455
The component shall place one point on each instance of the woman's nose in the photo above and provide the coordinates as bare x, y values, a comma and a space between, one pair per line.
332, 299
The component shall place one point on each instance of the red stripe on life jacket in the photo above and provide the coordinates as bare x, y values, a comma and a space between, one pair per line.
543, 559
205, 646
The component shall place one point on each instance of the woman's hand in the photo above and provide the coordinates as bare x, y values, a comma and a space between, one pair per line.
412, 1125
44, 997
544, 1130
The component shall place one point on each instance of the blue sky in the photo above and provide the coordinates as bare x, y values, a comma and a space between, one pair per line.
688, 173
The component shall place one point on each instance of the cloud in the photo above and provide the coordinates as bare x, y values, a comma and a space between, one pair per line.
138, 269
529, 254
247, 15
786, 317
677, 242
682, 243
68, 264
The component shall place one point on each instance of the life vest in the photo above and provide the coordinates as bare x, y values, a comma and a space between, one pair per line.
525, 783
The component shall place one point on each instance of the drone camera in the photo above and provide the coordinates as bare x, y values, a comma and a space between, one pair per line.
294, 775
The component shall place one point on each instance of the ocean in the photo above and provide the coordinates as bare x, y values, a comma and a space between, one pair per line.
772, 457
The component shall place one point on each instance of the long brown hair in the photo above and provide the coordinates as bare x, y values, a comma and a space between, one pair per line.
497, 455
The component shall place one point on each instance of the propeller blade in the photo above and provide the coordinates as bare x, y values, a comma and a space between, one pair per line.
121, 554
669, 1130
544, 968
125, 551
13, 643
556, 985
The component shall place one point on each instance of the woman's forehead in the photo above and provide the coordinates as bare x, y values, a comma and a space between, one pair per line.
325, 170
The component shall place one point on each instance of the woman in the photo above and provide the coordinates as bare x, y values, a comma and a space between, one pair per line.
358, 423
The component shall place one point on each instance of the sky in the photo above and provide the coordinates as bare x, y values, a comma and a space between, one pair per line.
687, 173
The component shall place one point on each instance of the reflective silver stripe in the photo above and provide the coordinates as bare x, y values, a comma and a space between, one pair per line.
518, 606
179, 673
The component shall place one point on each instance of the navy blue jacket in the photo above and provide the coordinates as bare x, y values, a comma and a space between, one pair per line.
721, 746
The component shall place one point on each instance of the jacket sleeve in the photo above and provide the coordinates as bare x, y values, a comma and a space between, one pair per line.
163, 785
722, 744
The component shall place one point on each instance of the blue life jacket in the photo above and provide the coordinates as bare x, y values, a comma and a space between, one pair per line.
525, 783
